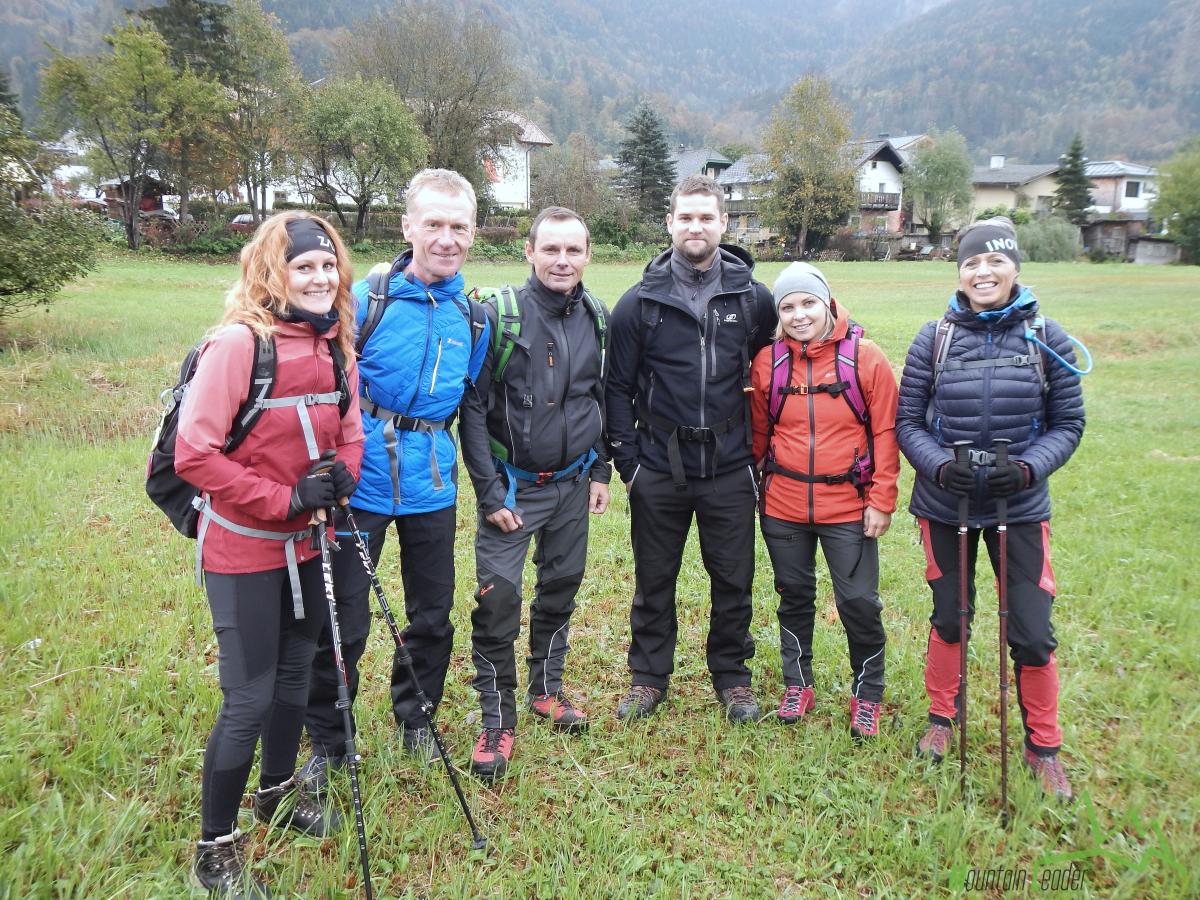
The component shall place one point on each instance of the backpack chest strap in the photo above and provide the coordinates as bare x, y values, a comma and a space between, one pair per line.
300, 403
834, 389
1023, 359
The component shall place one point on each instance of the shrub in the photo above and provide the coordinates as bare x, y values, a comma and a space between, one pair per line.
1052, 239
497, 234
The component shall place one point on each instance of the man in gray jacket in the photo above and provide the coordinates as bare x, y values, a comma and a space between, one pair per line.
539, 469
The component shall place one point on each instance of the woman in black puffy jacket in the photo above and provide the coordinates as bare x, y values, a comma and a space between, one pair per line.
996, 380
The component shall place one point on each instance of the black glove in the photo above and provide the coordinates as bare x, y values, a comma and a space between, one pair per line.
343, 482
957, 478
1008, 479
312, 492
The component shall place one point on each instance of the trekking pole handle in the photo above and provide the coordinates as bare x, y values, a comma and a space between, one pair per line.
962, 455
1000, 448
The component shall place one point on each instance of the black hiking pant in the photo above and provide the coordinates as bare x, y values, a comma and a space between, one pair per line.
427, 573
853, 561
661, 517
264, 656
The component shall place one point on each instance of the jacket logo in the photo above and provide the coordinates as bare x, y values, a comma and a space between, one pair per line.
453, 343
731, 317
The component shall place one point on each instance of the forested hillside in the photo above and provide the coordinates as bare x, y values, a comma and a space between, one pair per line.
1017, 77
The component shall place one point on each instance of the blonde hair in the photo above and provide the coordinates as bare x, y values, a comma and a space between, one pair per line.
830, 310
443, 181
261, 293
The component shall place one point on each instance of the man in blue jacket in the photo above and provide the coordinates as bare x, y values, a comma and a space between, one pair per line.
423, 351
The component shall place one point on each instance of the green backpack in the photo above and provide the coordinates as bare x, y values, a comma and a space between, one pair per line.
508, 327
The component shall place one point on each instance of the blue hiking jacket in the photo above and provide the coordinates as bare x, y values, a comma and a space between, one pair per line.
982, 404
418, 361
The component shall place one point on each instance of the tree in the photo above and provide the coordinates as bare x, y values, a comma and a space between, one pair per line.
196, 33
938, 181
453, 73
567, 175
264, 87
8, 100
1074, 194
812, 178
121, 103
357, 138
1178, 203
647, 174
45, 246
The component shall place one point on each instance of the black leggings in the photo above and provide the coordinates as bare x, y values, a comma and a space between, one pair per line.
265, 655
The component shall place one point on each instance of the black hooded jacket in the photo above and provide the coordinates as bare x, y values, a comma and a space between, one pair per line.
668, 366
548, 409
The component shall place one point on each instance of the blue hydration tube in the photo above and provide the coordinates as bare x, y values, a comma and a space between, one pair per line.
1031, 335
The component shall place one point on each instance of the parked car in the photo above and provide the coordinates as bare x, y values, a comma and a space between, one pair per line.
243, 223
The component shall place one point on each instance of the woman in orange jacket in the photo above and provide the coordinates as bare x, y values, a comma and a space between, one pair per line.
824, 439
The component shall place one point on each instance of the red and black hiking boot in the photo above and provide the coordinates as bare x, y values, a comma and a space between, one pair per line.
493, 750
935, 743
1051, 775
640, 702
864, 719
560, 711
740, 705
797, 702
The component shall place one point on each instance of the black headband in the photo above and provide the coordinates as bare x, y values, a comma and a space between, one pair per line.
305, 235
989, 239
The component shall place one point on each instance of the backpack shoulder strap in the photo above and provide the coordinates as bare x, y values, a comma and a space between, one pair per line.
262, 379
781, 374
942, 338
846, 364
600, 322
378, 282
341, 382
1034, 336
508, 323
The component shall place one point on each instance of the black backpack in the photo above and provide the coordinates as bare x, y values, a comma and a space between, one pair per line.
172, 494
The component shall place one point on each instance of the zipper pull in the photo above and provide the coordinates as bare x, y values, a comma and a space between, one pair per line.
550, 353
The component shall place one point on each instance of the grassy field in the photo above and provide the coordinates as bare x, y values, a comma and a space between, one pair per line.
107, 655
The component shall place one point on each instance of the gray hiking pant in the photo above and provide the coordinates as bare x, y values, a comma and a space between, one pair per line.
557, 515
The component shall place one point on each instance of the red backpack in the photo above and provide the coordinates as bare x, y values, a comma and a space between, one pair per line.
848, 386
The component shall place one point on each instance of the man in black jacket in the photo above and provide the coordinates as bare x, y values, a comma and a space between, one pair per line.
539, 468
679, 433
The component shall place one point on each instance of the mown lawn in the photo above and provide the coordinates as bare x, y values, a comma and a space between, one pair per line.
107, 652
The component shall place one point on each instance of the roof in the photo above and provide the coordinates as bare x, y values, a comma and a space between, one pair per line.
529, 133
1012, 175
745, 170
1115, 168
904, 141
694, 162
864, 151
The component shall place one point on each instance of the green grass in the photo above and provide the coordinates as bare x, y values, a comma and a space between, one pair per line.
107, 652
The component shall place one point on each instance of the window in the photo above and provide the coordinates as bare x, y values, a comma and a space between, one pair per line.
1133, 189
883, 187
874, 163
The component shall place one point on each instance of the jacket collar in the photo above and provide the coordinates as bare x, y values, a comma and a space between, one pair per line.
1023, 305
552, 301
657, 278
409, 287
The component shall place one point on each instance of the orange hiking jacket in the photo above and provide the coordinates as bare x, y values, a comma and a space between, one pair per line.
818, 434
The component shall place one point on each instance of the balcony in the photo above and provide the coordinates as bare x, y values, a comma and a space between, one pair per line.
736, 207
872, 200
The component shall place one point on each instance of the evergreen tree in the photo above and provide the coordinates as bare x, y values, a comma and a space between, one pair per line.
196, 32
8, 100
647, 174
1074, 194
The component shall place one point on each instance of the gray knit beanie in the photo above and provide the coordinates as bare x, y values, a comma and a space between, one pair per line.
801, 278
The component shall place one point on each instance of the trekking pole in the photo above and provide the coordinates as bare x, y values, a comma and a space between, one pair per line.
1000, 447
343, 693
962, 454
404, 658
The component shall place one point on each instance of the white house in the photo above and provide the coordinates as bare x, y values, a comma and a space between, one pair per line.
508, 171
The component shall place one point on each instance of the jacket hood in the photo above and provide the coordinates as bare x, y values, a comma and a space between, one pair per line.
736, 268
1022, 306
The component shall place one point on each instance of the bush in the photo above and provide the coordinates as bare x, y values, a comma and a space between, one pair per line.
1051, 239
44, 249
497, 234
200, 239
851, 248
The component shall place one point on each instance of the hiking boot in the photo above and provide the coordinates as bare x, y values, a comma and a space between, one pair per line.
562, 713
220, 869
740, 705
864, 719
796, 703
419, 744
640, 702
1050, 774
285, 806
935, 743
493, 750
314, 774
